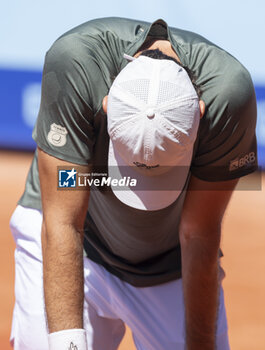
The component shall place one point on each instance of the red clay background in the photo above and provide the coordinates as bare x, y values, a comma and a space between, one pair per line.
243, 246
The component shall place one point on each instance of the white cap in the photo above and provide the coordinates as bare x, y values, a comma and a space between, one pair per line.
153, 118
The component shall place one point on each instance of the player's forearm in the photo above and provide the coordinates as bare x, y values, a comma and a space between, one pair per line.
201, 289
63, 278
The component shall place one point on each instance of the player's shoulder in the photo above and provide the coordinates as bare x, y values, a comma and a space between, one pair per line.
206, 59
87, 39
230, 94
69, 52
185, 37
231, 79
122, 28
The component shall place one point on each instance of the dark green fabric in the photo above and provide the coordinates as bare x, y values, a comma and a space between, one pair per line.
140, 247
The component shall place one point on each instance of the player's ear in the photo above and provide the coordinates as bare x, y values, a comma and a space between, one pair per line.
202, 108
105, 103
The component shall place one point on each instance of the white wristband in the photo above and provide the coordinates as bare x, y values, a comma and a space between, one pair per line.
68, 339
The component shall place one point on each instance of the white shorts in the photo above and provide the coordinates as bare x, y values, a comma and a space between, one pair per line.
154, 314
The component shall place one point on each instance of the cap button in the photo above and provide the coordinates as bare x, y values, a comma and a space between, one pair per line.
150, 113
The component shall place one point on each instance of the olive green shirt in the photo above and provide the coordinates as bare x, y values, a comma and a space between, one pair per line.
140, 247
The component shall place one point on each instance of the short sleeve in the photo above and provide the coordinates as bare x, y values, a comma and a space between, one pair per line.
226, 145
64, 128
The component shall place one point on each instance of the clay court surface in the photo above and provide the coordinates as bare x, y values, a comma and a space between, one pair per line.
243, 245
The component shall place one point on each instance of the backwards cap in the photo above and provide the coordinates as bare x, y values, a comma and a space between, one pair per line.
153, 117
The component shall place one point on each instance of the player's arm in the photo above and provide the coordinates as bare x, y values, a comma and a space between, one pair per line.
64, 213
200, 232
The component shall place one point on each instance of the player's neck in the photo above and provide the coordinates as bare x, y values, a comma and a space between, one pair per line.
162, 45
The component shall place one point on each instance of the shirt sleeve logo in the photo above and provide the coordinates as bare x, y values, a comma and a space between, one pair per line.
245, 161
57, 135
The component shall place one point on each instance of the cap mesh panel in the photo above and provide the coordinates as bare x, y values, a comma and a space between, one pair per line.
138, 88
168, 91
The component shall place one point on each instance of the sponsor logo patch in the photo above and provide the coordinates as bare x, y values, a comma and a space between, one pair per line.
244, 161
57, 135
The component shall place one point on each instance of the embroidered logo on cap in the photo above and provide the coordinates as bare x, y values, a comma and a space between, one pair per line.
142, 165
57, 135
